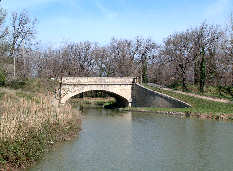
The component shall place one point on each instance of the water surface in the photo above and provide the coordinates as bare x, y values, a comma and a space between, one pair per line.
112, 140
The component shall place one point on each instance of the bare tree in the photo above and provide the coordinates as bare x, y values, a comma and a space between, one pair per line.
104, 62
229, 46
21, 29
144, 50
206, 43
121, 52
3, 29
177, 49
3, 32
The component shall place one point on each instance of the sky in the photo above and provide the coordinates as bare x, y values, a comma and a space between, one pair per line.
61, 21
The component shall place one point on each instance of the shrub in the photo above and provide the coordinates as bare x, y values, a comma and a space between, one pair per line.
35, 85
174, 85
30, 126
16, 84
2, 78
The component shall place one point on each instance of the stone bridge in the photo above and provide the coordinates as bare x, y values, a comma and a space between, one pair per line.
126, 91
119, 87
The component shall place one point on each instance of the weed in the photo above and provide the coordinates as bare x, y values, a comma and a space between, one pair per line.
29, 125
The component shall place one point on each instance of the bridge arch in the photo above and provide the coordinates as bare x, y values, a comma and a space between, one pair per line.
120, 101
122, 93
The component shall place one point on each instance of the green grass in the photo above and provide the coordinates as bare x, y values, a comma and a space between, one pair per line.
108, 103
209, 91
95, 101
198, 105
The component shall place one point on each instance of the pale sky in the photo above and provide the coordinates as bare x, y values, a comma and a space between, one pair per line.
100, 20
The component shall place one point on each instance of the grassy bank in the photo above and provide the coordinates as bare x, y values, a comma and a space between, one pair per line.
200, 107
30, 124
89, 100
209, 91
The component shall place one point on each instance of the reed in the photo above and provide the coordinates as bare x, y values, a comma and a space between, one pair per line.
28, 127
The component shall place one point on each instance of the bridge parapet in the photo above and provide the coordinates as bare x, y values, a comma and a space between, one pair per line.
98, 80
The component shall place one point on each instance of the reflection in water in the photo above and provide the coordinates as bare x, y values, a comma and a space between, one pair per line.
112, 140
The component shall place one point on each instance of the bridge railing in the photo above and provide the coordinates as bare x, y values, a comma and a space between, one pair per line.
98, 80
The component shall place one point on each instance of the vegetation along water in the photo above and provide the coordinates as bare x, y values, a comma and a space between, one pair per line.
31, 123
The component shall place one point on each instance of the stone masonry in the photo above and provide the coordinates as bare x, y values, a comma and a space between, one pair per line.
126, 89
71, 86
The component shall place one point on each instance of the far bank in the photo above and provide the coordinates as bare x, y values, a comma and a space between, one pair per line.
200, 107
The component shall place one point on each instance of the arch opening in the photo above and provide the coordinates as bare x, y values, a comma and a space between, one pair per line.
120, 102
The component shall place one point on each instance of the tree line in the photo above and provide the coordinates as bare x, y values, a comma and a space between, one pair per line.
200, 56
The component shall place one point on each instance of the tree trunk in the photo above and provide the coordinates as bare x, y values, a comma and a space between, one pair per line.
144, 69
144, 73
202, 71
196, 73
232, 74
184, 87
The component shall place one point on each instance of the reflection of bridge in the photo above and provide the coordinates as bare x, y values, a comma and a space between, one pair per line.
125, 89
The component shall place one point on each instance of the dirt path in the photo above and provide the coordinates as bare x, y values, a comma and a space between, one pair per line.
199, 96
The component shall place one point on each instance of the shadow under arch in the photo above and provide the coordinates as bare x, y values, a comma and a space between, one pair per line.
121, 101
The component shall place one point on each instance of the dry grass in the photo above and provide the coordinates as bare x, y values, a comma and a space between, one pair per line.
19, 114
35, 118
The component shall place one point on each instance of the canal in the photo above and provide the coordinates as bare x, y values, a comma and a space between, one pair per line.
112, 140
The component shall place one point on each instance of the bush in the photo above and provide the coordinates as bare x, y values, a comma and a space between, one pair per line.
16, 84
31, 126
34, 85
2, 78
175, 85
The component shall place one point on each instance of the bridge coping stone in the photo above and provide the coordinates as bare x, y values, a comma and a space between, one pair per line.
97, 80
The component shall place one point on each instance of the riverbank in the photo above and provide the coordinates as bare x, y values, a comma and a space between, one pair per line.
31, 124
208, 95
94, 101
201, 108
177, 113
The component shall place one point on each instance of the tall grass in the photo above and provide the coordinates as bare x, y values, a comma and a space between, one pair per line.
29, 126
